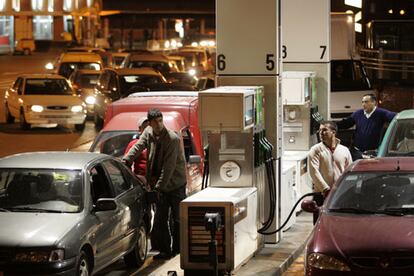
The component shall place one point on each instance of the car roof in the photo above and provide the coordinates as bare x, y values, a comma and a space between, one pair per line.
136, 71
50, 160
80, 57
129, 121
383, 164
157, 99
42, 76
88, 71
405, 114
120, 54
148, 57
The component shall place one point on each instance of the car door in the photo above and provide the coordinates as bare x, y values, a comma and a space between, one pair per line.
128, 201
104, 231
13, 99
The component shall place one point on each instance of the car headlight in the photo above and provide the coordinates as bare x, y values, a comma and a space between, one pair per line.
49, 66
192, 72
90, 100
37, 108
40, 256
322, 261
76, 108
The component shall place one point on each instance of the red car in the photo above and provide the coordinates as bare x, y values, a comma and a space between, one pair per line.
366, 226
185, 103
114, 138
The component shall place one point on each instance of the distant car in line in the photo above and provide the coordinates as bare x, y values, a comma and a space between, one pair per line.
365, 226
84, 82
71, 61
70, 214
114, 84
43, 99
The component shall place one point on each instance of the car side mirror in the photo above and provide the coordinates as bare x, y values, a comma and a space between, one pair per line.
105, 204
309, 206
369, 154
194, 159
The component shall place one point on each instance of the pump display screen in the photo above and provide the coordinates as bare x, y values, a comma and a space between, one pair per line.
249, 113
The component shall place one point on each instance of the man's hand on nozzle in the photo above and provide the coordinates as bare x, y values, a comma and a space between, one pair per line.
325, 192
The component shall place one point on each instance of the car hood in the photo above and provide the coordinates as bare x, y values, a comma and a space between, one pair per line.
353, 235
35, 229
65, 100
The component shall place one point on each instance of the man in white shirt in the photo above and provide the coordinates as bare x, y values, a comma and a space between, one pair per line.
327, 161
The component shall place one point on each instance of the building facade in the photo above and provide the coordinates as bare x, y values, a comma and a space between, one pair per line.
49, 20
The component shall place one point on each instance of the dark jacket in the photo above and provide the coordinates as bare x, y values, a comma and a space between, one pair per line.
170, 162
368, 131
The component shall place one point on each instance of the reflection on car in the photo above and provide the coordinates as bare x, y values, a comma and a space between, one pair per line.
69, 214
365, 225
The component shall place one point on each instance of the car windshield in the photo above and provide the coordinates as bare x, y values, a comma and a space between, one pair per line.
47, 87
374, 192
40, 190
160, 66
401, 141
191, 59
113, 142
118, 60
129, 81
87, 80
66, 68
348, 75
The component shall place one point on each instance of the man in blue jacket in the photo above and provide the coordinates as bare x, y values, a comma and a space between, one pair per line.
369, 123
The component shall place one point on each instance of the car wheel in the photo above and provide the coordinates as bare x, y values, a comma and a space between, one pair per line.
98, 121
9, 117
137, 256
26, 52
80, 127
83, 267
23, 124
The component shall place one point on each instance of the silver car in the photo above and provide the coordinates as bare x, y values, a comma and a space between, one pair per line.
67, 213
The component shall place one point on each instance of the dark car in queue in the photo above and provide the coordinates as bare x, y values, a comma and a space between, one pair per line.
114, 84
84, 82
366, 225
157, 62
67, 213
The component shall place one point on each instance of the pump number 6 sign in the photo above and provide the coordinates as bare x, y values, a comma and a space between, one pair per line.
230, 171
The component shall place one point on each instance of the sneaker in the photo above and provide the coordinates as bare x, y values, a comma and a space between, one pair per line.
163, 256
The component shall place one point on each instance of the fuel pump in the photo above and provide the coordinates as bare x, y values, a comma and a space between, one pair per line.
240, 165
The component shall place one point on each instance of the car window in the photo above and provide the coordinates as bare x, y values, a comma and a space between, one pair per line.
44, 190
66, 68
113, 142
17, 83
160, 66
401, 141
348, 75
100, 187
373, 191
86, 80
118, 181
47, 87
127, 82
188, 144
